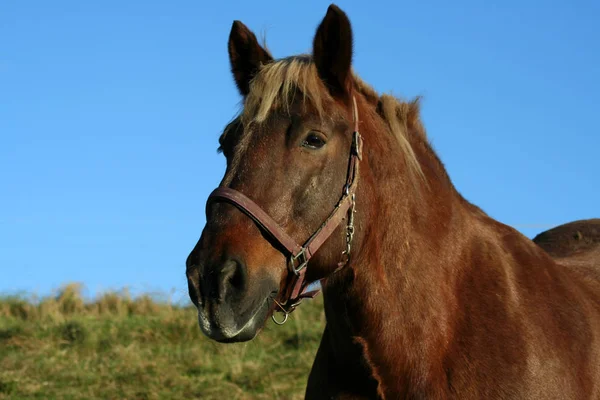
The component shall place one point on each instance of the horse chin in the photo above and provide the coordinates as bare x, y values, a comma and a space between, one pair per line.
236, 332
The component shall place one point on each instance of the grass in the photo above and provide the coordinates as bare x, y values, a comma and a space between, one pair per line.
119, 347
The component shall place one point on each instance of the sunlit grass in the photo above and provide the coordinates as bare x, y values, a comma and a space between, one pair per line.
117, 347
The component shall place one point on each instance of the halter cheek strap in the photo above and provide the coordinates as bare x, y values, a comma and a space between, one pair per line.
299, 255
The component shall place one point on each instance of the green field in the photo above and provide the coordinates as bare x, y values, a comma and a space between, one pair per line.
118, 347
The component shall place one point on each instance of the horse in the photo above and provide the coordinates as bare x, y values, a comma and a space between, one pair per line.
425, 295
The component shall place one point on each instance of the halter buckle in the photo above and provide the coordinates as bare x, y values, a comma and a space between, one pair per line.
302, 263
350, 228
357, 143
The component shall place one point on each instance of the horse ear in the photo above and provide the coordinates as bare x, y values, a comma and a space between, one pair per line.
332, 50
245, 56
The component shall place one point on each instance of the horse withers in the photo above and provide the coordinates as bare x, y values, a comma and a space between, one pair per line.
425, 295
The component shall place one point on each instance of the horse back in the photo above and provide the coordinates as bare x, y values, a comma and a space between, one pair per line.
576, 246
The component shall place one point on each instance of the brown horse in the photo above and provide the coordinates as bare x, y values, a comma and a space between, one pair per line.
432, 297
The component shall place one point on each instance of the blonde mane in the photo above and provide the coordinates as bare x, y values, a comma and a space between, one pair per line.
277, 84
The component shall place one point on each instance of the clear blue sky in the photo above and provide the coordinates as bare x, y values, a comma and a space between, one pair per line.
110, 113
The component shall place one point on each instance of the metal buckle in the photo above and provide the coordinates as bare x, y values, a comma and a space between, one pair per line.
350, 226
357, 144
303, 261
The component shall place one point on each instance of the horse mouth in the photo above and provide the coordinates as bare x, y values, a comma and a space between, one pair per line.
221, 332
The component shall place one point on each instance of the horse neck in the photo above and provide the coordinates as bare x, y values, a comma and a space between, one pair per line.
395, 296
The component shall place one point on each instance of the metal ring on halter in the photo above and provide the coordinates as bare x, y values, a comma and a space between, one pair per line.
285, 313
285, 318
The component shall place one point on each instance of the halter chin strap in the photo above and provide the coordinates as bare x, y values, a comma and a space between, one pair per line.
299, 256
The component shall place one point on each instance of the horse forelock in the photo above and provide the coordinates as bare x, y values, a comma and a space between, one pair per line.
279, 84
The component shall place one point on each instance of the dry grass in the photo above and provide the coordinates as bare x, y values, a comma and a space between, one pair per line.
118, 347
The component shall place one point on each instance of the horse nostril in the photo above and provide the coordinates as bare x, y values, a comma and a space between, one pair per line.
233, 278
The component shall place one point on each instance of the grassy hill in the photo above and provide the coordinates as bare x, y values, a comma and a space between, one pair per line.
118, 347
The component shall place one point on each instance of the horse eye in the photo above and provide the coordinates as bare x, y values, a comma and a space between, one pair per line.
313, 141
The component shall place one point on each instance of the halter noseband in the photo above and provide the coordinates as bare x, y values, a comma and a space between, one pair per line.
298, 256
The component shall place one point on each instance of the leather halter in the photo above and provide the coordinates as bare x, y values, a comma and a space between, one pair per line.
298, 256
